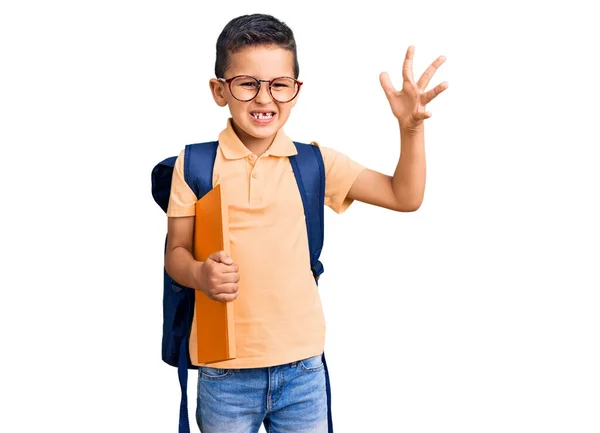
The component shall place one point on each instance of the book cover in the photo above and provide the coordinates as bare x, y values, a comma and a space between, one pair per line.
213, 323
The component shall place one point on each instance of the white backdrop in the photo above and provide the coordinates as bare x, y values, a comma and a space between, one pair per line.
477, 313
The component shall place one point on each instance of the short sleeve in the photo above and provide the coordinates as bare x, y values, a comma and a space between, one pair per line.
340, 174
182, 201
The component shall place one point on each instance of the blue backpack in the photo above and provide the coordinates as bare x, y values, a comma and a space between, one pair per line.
178, 300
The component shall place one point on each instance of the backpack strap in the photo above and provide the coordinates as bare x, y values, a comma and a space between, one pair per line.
310, 175
309, 170
198, 167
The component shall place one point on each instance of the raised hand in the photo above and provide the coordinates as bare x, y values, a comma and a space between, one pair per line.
408, 104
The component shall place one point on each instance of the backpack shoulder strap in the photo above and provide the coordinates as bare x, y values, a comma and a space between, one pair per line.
199, 162
309, 171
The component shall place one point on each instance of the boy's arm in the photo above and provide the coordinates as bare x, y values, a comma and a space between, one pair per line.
217, 276
179, 261
404, 190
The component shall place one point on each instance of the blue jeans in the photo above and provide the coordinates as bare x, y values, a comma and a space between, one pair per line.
287, 398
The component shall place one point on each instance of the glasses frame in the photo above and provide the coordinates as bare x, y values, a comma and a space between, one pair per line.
229, 80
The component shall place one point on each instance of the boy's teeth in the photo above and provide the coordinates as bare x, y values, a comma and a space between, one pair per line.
262, 115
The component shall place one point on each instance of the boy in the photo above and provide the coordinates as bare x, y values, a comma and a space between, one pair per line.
278, 377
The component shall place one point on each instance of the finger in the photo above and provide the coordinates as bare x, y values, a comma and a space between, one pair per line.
216, 256
224, 258
427, 97
225, 297
386, 83
222, 292
422, 115
232, 268
230, 277
231, 287
221, 274
429, 72
226, 289
407, 74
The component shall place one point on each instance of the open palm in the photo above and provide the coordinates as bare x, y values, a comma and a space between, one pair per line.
409, 104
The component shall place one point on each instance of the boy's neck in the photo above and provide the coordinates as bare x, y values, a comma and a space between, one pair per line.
257, 146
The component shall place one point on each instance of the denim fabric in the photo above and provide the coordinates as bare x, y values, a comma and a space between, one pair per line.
287, 398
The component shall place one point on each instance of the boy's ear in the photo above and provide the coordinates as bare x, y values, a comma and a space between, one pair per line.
217, 88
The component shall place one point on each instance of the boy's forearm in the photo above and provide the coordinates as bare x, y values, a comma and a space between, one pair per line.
182, 267
408, 181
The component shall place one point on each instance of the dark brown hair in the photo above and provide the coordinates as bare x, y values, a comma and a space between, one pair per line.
252, 30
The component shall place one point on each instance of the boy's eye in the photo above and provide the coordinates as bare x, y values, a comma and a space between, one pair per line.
248, 84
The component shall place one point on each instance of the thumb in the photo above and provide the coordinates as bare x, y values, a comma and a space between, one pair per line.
223, 258
218, 256
386, 83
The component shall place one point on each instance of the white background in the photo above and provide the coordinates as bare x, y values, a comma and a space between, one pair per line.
477, 313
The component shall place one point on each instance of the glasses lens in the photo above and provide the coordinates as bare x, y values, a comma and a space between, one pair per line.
284, 89
244, 88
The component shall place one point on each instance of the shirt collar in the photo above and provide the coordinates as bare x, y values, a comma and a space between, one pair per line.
233, 148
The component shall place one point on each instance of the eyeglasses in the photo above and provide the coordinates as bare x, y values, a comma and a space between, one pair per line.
245, 88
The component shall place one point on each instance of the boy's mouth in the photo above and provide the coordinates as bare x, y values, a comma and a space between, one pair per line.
262, 115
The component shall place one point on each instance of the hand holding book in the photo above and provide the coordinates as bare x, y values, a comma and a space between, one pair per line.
219, 277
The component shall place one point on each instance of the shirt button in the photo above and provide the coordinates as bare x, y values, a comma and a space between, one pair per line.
251, 157
254, 174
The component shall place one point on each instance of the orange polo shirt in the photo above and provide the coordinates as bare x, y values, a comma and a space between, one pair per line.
278, 314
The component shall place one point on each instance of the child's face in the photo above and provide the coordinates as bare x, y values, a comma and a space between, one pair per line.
265, 63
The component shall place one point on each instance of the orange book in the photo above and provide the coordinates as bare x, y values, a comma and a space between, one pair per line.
213, 323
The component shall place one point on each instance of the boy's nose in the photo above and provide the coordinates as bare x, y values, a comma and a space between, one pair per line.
263, 94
